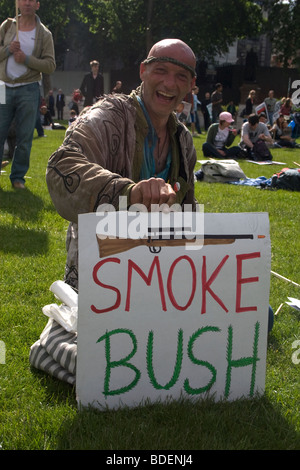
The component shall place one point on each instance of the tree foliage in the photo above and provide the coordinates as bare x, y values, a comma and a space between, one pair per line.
284, 29
124, 30
130, 27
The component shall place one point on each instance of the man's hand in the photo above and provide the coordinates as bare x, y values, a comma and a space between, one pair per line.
19, 57
265, 138
14, 47
152, 191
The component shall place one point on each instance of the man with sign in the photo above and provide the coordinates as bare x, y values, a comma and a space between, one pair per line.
150, 308
129, 146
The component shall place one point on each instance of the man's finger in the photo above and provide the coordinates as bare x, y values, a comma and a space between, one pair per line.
152, 192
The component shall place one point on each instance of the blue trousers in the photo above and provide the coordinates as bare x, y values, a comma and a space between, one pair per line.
21, 106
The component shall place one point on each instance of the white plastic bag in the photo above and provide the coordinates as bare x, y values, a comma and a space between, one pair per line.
65, 314
65, 293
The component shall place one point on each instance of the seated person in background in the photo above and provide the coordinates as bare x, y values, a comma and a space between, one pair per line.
220, 137
263, 118
283, 133
287, 107
73, 116
252, 132
46, 118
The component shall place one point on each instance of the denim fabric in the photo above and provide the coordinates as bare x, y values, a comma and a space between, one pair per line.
21, 105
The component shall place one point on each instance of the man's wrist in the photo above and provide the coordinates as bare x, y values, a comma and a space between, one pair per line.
8, 53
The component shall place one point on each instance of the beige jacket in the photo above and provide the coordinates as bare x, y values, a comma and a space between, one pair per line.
42, 59
101, 158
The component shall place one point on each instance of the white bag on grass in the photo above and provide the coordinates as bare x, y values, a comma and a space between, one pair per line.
222, 171
65, 316
55, 352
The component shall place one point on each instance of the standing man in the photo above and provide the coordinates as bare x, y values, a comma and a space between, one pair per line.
50, 102
60, 104
270, 103
92, 84
128, 145
216, 101
205, 112
26, 51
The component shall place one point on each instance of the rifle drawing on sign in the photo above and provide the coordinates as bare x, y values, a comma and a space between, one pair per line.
160, 237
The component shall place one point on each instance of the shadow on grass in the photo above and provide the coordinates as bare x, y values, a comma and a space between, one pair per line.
21, 203
23, 241
244, 424
254, 424
56, 390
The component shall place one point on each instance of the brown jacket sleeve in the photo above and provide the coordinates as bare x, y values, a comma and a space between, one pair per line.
93, 165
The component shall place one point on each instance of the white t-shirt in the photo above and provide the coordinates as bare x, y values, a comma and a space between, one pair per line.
27, 39
221, 137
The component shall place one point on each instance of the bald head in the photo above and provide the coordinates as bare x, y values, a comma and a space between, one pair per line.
175, 51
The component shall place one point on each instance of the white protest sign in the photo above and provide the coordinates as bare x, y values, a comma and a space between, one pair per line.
262, 108
171, 321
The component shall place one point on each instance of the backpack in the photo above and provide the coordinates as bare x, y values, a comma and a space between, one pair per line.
287, 178
261, 152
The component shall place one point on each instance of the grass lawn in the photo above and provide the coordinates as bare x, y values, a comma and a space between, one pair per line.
38, 412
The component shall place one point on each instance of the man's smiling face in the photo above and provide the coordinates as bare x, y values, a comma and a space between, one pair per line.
165, 81
165, 86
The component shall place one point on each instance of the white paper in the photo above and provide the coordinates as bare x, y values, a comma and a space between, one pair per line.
295, 303
267, 162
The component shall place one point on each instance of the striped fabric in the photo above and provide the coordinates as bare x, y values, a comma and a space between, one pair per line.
55, 352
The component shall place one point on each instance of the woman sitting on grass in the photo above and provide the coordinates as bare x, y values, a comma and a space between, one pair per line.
282, 133
220, 137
